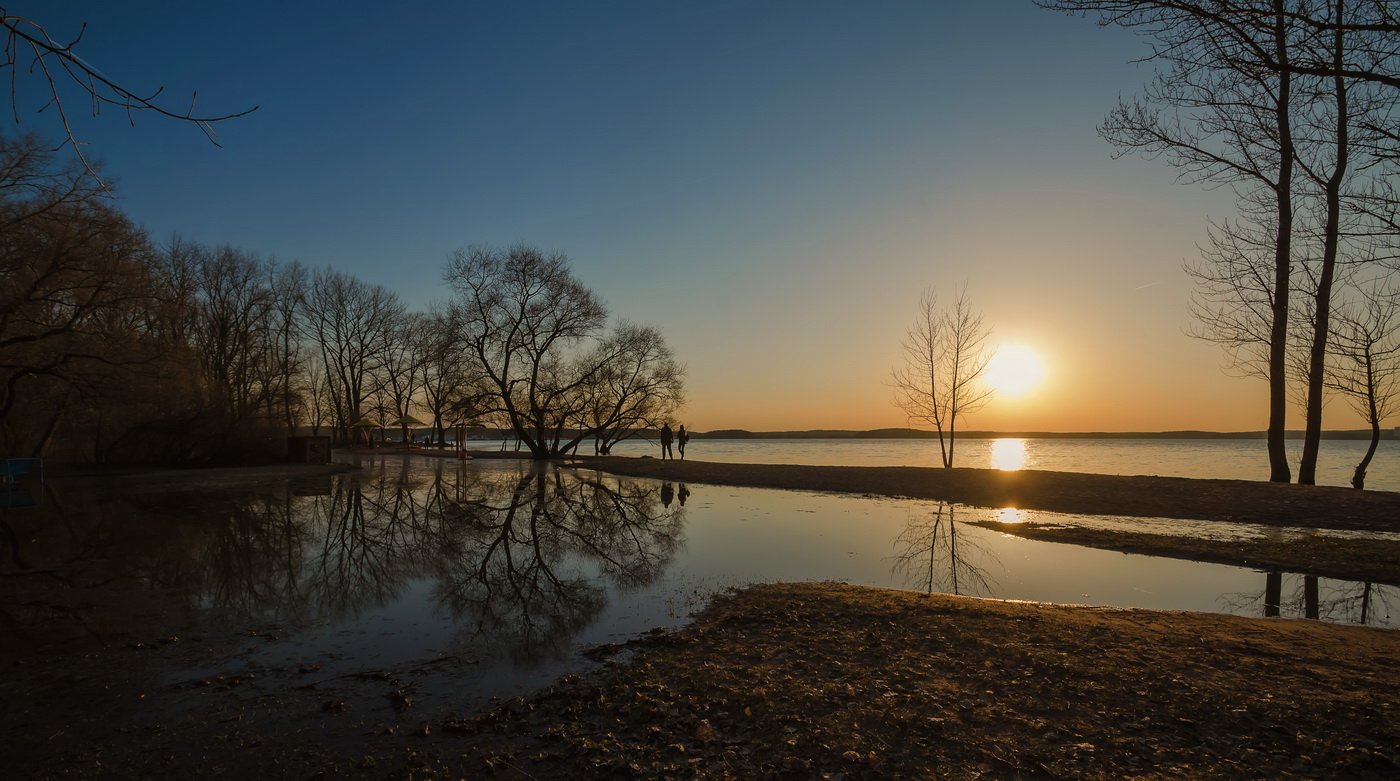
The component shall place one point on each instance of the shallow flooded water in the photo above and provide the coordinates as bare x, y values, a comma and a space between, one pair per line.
490, 578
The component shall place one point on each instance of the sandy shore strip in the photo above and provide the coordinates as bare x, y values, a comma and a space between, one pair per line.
1272, 504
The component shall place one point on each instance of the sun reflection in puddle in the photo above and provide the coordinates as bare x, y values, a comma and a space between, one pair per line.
1010, 515
1009, 455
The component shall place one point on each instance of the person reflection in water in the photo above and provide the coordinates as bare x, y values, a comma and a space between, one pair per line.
684, 493
668, 493
681, 439
666, 442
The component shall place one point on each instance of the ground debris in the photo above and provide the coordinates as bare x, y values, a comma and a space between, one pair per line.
835, 681
806, 681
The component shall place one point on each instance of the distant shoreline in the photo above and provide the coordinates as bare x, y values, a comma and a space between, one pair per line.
912, 433
909, 433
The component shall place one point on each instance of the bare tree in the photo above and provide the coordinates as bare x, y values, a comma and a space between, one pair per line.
1291, 103
232, 319
636, 384
1228, 94
31, 49
1233, 302
319, 404
75, 290
526, 320
1348, 165
402, 371
945, 355
352, 324
1366, 358
287, 357
453, 389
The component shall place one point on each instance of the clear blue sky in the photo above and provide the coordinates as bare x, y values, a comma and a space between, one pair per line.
771, 183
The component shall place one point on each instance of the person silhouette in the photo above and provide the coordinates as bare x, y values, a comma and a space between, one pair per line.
666, 442
667, 492
681, 439
683, 494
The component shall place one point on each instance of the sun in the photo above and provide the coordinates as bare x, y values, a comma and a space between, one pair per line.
1014, 370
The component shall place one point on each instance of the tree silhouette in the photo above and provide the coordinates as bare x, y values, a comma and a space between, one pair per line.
29, 48
945, 355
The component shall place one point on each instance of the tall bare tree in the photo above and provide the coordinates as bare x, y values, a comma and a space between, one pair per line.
520, 312
636, 384
1365, 352
453, 389
352, 325
287, 365
1348, 164
945, 355
402, 373
1274, 98
74, 290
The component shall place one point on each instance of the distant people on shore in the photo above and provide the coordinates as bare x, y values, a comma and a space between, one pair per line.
666, 442
681, 439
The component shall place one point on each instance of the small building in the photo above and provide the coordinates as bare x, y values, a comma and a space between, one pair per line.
309, 450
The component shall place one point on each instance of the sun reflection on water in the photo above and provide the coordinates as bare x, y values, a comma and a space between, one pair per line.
1008, 455
1010, 515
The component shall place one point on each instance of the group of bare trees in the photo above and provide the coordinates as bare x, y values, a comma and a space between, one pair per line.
1293, 105
116, 348
112, 348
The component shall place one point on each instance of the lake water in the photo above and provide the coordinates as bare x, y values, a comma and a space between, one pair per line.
488, 578
1236, 459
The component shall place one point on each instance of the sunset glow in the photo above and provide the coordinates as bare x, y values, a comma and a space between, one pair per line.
686, 197
1015, 370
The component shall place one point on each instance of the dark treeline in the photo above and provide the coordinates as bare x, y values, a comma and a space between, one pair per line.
116, 348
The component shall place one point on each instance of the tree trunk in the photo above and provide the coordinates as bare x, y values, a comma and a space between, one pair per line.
1358, 478
1273, 594
1283, 260
1317, 363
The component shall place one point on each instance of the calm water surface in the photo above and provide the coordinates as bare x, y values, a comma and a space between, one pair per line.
1236, 459
494, 576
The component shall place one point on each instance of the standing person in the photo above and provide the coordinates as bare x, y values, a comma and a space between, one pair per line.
666, 442
681, 439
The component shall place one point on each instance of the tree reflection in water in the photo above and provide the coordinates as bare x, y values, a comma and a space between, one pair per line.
522, 558
1345, 601
537, 549
932, 554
